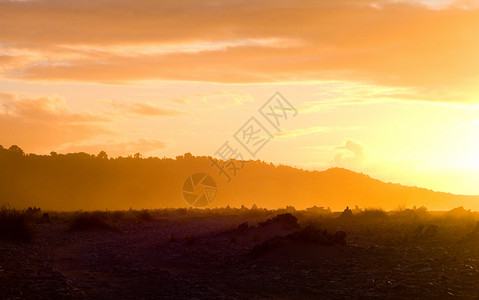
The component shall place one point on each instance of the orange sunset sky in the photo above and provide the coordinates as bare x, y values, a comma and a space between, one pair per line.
388, 88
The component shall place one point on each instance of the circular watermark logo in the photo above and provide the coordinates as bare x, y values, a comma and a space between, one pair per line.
199, 189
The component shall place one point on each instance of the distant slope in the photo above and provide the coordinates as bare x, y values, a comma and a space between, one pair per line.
82, 181
338, 188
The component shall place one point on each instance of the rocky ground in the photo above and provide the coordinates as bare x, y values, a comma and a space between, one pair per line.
221, 257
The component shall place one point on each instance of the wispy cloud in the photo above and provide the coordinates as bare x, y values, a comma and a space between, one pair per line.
310, 130
148, 109
219, 99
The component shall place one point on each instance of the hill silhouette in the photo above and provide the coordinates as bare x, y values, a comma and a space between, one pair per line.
80, 181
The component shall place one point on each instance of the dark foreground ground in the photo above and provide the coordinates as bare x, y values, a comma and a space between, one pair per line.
198, 256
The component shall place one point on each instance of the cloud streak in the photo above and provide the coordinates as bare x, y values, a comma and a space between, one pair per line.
377, 41
310, 130
147, 109
218, 100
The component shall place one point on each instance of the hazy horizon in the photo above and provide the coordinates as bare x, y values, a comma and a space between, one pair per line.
130, 155
82, 181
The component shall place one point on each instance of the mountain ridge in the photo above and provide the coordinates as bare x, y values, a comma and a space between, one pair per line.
80, 181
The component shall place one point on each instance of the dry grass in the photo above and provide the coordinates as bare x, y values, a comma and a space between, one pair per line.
14, 225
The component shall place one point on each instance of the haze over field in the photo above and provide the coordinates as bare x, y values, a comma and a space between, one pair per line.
88, 182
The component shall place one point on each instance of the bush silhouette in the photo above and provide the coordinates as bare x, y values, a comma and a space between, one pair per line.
144, 215
89, 221
373, 215
14, 225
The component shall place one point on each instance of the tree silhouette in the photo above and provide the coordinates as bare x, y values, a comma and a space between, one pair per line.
102, 155
16, 150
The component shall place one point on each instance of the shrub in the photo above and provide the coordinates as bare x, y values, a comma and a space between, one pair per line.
374, 215
118, 215
45, 219
91, 221
14, 225
406, 216
181, 211
312, 223
144, 215
299, 238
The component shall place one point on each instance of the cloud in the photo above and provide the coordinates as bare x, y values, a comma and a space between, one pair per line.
38, 123
46, 123
349, 155
376, 41
148, 109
